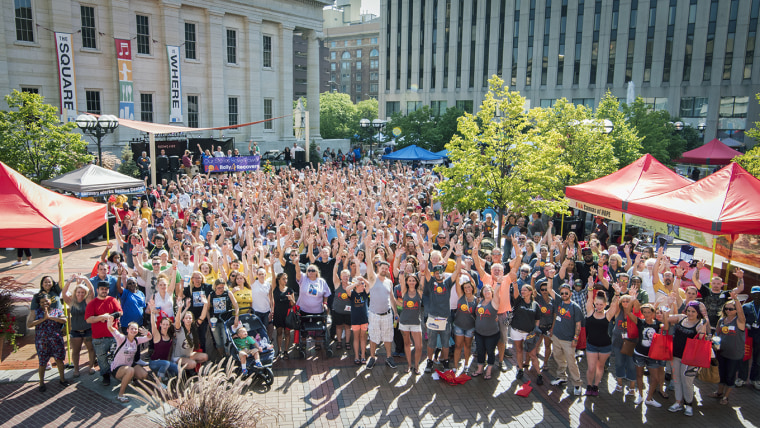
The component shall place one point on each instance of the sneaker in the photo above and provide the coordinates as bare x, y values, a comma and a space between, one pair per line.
107, 380
429, 366
688, 411
519, 374
631, 392
618, 388
245, 371
540, 380
371, 362
16, 263
756, 384
675, 408
639, 399
258, 364
558, 382
739, 383
589, 391
503, 366
390, 363
578, 391
652, 403
29, 263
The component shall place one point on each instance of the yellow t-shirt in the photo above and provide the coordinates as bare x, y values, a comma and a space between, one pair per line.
146, 213
433, 226
244, 299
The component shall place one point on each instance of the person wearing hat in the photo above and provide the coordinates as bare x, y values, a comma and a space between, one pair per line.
752, 315
97, 313
566, 330
713, 296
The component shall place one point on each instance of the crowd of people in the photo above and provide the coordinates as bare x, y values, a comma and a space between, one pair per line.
371, 247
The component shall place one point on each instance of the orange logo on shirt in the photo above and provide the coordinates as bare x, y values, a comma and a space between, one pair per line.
409, 304
724, 329
562, 311
439, 289
544, 309
481, 311
464, 307
344, 296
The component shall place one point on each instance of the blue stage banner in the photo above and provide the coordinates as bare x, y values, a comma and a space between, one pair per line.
240, 163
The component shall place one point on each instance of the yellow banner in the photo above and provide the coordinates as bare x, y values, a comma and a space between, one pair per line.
596, 210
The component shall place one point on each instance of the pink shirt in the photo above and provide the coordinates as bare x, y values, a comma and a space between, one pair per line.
126, 355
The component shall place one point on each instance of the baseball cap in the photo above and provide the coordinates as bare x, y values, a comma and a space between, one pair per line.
755, 289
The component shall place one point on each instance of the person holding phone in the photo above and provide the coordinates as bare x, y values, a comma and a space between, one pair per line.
100, 313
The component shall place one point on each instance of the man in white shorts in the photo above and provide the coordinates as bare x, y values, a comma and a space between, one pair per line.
382, 310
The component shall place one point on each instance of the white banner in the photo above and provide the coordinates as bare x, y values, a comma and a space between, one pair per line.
64, 49
175, 86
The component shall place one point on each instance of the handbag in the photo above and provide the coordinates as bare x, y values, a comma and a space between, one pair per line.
291, 319
581, 345
709, 374
632, 329
747, 345
628, 347
697, 352
524, 390
661, 348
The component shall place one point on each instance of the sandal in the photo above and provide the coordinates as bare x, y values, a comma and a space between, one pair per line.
122, 399
724, 401
487, 376
317, 347
476, 374
363, 360
339, 346
357, 362
715, 394
348, 346
663, 394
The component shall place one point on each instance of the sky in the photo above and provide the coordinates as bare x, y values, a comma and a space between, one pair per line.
373, 6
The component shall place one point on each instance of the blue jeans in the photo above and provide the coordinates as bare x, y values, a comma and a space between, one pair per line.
162, 367
102, 346
624, 367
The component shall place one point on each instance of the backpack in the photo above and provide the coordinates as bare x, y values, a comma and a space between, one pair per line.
113, 352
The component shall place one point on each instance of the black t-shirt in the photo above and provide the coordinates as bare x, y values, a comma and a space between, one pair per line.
646, 333
584, 270
326, 271
196, 304
525, 314
219, 304
290, 270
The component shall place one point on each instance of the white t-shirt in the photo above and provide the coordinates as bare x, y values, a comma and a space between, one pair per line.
260, 295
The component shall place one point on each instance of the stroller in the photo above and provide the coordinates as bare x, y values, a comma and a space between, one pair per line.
254, 327
312, 327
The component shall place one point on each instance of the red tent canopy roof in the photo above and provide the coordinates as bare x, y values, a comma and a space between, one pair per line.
713, 153
643, 178
34, 217
723, 203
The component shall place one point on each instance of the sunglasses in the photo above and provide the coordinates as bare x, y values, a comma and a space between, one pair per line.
542, 289
438, 269
524, 271
156, 264
564, 294
311, 270
730, 309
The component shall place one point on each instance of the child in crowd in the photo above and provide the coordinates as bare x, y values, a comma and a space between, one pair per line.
247, 346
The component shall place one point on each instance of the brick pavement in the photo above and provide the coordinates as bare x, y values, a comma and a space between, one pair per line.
322, 392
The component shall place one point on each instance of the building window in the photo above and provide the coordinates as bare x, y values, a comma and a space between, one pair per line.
373, 87
392, 107
146, 107
359, 89
373, 40
588, 102
358, 42
464, 105
650, 40
93, 101
733, 107
24, 21
358, 65
192, 111
358, 53
613, 42
693, 107
374, 64
374, 53
578, 42
231, 47
548, 102
345, 66
268, 113
333, 55
631, 40
438, 108
333, 44
412, 106
30, 90
656, 103
89, 39
232, 111
358, 77
710, 46
545, 48
562, 35
333, 66
143, 35
346, 55
374, 75
731, 36
689, 41
190, 39
669, 41
266, 55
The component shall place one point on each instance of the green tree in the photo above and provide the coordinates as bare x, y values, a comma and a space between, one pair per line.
503, 162
337, 115
128, 165
625, 141
585, 147
751, 160
366, 109
35, 142
660, 139
425, 130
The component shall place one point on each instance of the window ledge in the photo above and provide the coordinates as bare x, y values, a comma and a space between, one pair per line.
90, 50
26, 44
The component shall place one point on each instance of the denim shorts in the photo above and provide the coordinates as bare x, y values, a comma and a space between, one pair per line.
466, 333
598, 349
76, 334
642, 361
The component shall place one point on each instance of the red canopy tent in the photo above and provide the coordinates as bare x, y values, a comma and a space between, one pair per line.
723, 203
712, 153
34, 217
643, 178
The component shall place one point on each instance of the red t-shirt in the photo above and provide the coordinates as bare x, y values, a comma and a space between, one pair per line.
97, 307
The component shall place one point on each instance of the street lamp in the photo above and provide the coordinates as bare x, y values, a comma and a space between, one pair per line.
377, 125
98, 128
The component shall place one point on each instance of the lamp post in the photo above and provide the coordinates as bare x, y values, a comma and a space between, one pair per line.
376, 125
98, 127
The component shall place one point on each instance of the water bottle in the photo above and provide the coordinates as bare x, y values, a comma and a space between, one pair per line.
716, 342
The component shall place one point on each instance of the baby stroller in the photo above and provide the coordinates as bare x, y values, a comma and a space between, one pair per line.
254, 326
312, 327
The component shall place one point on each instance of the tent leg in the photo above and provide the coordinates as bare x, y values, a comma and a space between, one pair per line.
712, 263
65, 309
622, 233
108, 236
562, 226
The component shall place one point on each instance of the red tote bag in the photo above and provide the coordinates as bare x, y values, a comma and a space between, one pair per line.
697, 352
747, 345
662, 347
632, 329
581, 345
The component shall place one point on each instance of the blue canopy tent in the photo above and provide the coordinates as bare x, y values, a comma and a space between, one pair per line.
444, 153
414, 153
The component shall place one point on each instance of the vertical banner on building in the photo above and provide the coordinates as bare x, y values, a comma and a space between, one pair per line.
175, 84
66, 76
126, 89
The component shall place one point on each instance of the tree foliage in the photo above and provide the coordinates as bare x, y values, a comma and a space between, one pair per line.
128, 165
660, 138
503, 162
35, 142
336, 115
626, 142
585, 147
422, 128
751, 160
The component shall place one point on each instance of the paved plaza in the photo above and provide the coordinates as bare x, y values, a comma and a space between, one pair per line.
334, 392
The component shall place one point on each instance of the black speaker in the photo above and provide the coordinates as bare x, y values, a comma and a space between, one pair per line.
162, 163
300, 156
174, 163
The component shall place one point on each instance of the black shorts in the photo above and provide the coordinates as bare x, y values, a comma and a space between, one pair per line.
76, 334
545, 329
341, 319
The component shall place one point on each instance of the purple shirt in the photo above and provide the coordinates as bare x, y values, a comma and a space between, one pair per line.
312, 294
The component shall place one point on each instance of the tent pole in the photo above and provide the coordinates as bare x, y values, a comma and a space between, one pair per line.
730, 255
622, 233
712, 263
65, 307
152, 148
562, 226
108, 237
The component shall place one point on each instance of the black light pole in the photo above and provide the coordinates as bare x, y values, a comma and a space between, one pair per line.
97, 127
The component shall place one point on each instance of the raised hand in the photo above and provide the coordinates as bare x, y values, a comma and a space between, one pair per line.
739, 273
